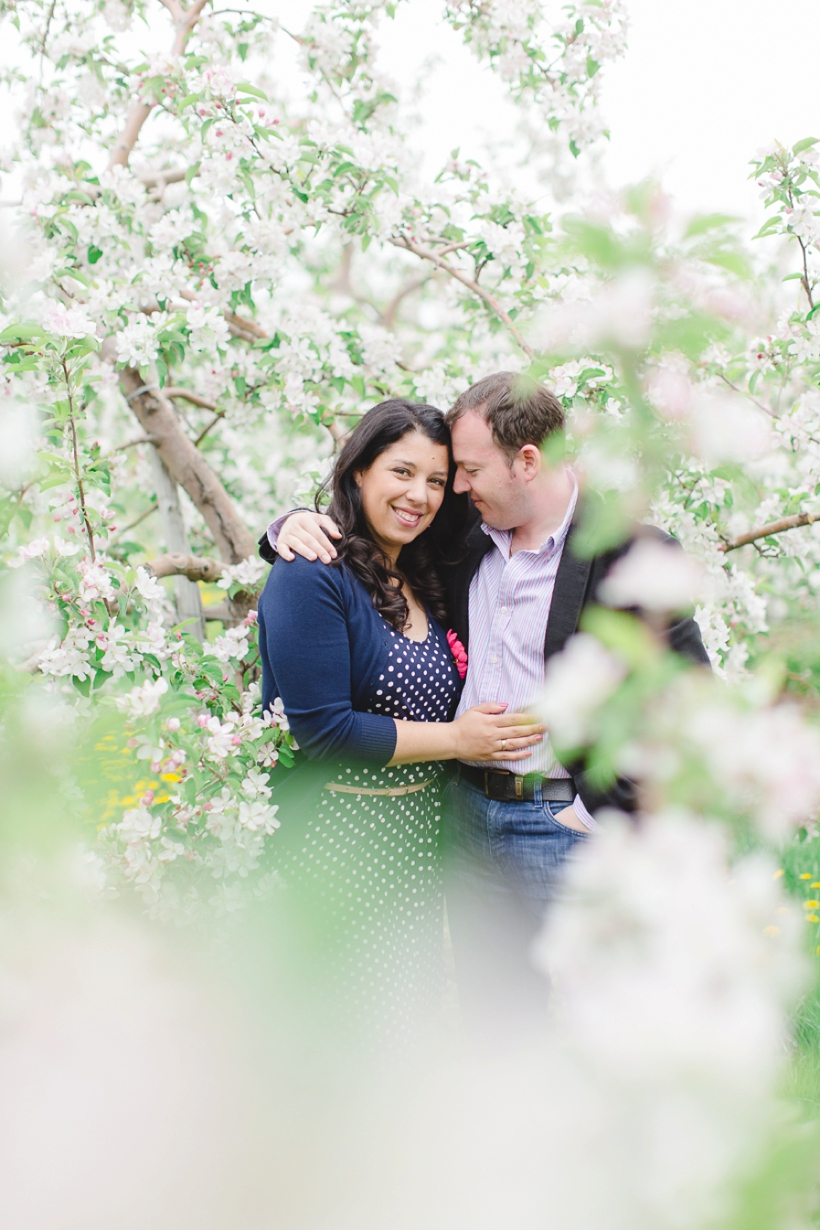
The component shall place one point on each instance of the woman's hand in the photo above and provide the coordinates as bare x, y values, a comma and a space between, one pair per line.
308, 534
486, 732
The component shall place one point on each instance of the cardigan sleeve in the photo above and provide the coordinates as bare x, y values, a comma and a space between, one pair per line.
306, 626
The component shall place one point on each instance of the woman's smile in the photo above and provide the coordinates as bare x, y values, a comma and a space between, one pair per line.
406, 517
403, 489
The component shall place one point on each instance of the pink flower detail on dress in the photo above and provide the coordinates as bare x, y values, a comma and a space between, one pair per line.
459, 653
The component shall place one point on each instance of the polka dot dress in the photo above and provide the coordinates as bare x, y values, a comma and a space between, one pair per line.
372, 862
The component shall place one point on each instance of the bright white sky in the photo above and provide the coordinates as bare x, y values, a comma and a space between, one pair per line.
704, 85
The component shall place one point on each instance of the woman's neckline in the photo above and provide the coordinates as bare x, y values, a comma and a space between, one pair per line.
412, 639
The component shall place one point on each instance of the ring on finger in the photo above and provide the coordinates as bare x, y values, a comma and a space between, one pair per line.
503, 745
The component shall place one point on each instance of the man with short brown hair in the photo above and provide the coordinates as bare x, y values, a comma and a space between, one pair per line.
515, 598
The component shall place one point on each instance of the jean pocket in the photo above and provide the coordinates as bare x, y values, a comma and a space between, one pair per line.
554, 810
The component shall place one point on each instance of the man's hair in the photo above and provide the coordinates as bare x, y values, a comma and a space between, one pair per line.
517, 408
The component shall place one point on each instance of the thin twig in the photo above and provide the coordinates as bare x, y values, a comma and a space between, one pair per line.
77, 472
216, 419
126, 529
766, 531
478, 291
121, 448
750, 396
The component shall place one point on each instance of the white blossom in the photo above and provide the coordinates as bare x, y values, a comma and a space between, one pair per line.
144, 699
654, 575
578, 681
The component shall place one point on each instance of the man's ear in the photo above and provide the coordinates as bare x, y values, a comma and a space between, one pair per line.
529, 460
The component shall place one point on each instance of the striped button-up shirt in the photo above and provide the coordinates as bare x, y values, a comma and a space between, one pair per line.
510, 597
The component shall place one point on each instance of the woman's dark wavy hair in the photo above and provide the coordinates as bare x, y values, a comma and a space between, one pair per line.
420, 560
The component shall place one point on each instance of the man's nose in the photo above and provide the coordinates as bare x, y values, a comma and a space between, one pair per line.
460, 483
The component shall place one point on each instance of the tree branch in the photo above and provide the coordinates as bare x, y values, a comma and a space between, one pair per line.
388, 314
194, 567
188, 467
478, 291
193, 398
766, 531
184, 22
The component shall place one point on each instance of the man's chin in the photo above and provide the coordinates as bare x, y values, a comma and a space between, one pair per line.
494, 520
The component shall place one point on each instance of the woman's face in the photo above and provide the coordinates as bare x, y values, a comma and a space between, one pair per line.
402, 490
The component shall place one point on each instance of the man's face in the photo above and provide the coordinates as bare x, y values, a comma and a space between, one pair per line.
497, 490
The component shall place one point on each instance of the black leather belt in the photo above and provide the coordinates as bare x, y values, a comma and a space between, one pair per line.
506, 787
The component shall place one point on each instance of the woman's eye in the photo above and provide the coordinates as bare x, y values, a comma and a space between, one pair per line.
402, 472
437, 482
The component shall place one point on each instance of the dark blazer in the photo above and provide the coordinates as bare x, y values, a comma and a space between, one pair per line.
576, 588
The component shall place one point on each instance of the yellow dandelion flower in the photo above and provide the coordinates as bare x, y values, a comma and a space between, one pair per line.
815, 884
773, 931
817, 951
170, 777
811, 904
778, 873
813, 918
804, 875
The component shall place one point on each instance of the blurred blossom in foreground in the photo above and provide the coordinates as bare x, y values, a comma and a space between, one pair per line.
654, 575
616, 313
578, 681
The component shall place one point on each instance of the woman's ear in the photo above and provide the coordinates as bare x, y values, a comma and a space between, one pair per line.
357, 477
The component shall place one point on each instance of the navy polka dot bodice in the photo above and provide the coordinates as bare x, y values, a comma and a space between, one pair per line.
420, 679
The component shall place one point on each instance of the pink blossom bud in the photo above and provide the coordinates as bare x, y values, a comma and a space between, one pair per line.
155, 766
236, 740
202, 721
148, 798
172, 724
131, 743
57, 517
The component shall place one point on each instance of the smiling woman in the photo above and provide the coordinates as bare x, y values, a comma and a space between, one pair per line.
358, 654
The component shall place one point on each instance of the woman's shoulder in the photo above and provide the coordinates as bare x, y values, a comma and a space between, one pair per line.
303, 578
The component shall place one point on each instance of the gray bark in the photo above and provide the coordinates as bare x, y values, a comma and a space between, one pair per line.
186, 593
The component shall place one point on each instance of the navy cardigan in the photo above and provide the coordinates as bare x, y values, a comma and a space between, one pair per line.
323, 647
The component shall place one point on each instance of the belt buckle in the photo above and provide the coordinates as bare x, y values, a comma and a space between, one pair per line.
519, 786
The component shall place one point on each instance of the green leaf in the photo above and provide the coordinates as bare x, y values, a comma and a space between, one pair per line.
244, 88
708, 222
768, 227
94, 254
806, 143
26, 331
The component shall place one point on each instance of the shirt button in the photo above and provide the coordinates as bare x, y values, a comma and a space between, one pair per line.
504, 610
494, 659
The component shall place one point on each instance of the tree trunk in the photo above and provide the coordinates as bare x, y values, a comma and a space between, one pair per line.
186, 593
187, 466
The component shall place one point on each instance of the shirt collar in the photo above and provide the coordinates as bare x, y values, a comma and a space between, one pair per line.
503, 538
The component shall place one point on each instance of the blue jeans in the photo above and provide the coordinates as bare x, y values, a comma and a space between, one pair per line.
503, 866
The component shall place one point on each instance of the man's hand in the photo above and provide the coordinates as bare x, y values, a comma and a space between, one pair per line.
308, 534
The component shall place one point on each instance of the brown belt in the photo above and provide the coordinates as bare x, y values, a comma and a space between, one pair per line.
506, 787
